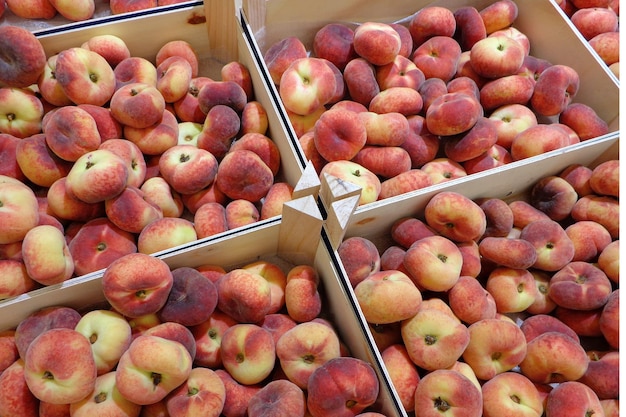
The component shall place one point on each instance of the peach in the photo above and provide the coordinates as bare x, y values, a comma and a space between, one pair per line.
248, 353
421, 145
384, 161
208, 338
608, 261
22, 112
509, 393
403, 100
145, 378
130, 211
538, 324
554, 247
506, 90
187, 168
97, 176
165, 233
281, 54
406, 181
377, 291
554, 90
606, 45
263, 146
510, 120
219, 129
403, 374
210, 194
46, 255
135, 69
71, 132
360, 79
307, 84
536, 140
572, 397
584, 121
178, 47
566, 287
386, 129
304, 348
254, 118
602, 374
302, 297
8, 155
127, 6
586, 323
554, 357
277, 324
431, 89
455, 216
514, 290
9, 352
601, 209
543, 304
203, 393
111, 47
19, 211
65, 206
85, 76
497, 56
589, 238
401, 72
173, 78
241, 213
278, 194
237, 395
376, 42
448, 391
278, 397
524, 213
132, 156
554, 196
245, 307
592, 21
359, 258
496, 346
31, 9
242, 174
472, 143
187, 108
508, 252
604, 179
433, 263
137, 284
499, 15
15, 395
334, 42
431, 21
434, 338
63, 375
339, 135
496, 156
23, 58
444, 169
137, 105
609, 320
442, 116
470, 27
210, 219
226, 93
499, 217
437, 57
469, 300
238, 73
333, 387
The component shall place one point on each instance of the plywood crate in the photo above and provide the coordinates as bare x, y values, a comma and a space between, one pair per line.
295, 238
550, 33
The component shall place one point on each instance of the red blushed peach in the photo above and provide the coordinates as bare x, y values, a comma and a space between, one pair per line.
111, 47
604, 179
135, 69
510, 89
9, 349
448, 391
278, 396
510, 120
108, 127
437, 57
302, 297
497, 56
469, 300
237, 395
173, 78
307, 84
584, 121
514, 290
431, 89
210, 194
601, 209
191, 300
443, 114
241, 213
586, 323
262, 146
554, 357
606, 46
15, 396
359, 257
165, 233
537, 140
208, 337
339, 135
443, 169
554, 90
401, 72
187, 168
23, 59
332, 389
572, 397
226, 93
187, 108
277, 324
403, 100
71, 132
609, 320
278, 194
65, 206
580, 285
554, 248
470, 27
473, 143
524, 213
407, 230
385, 161
360, 78
578, 176
499, 15
210, 219
334, 42
508, 252
496, 156
403, 374
242, 174
589, 238
387, 129
281, 54
202, 394
98, 243
455, 216
554, 196
421, 145
608, 261
137, 284
9, 165
175, 332
178, 48
463, 84
138, 105
499, 217
220, 127
35, 160
592, 21
376, 42
538, 324
255, 346
406, 40
30, 10
125, 6
254, 118
543, 304
130, 211
249, 306
304, 124
431, 21
238, 73
404, 182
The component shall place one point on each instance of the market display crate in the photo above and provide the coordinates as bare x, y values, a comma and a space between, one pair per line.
549, 32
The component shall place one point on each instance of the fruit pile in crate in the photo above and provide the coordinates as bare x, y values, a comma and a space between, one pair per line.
510, 294
598, 22
432, 95
113, 143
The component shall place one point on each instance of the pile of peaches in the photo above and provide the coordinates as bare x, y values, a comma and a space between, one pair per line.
491, 308
75, 10
598, 22
105, 154
187, 342
398, 107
